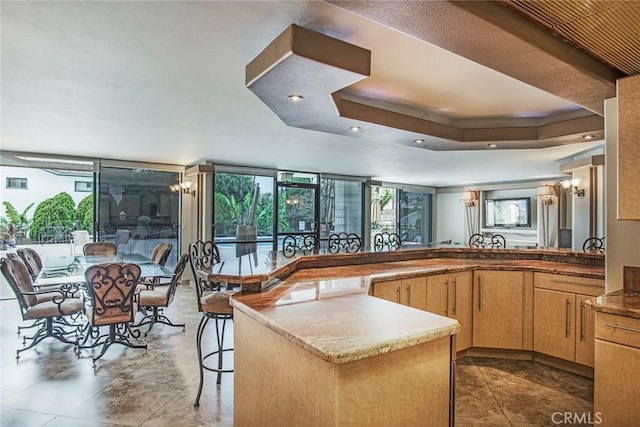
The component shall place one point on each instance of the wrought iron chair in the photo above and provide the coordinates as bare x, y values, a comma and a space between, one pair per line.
478, 241
160, 296
160, 253
344, 242
32, 260
100, 248
594, 244
299, 244
386, 241
213, 303
51, 309
113, 303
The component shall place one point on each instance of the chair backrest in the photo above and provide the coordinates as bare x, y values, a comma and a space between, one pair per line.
178, 270
112, 287
31, 259
299, 243
100, 248
344, 242
478, 241
17, 276
160, 253
385, 240
202, 256
594, 244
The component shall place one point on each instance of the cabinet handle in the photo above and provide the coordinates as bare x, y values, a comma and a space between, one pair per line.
569, 282
398, 294
582, 322
624, 328
566, 318
479, 293
408, 295
454, 309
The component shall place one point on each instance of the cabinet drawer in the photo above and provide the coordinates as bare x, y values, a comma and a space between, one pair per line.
618, 329
565, 283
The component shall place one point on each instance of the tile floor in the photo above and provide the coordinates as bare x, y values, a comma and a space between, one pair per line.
50, 386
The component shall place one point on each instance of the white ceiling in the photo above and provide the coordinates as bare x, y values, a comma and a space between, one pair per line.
164, 82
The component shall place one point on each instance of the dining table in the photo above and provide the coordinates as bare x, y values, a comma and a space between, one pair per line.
70, 269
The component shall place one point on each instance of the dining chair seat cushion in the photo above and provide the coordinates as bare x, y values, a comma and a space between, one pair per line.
51, 309
111, 316
217, 302
154, 298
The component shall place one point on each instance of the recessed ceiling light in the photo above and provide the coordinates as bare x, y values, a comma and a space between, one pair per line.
295, 98
355, 128
492, 145
588, 137
419, 141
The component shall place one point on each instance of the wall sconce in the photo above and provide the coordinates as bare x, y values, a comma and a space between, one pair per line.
469, 198
184, 186
546, 193
571, 185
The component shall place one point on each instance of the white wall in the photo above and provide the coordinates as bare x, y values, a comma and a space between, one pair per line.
450, 221
41, 185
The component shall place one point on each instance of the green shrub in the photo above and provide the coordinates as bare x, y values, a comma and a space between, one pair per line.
84, 213
58, 210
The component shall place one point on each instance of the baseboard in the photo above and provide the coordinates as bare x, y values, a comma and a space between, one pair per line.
499, 353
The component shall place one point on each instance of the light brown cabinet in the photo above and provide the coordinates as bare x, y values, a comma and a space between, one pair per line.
563, 325
617, 357
498, 309
451, 295
411, 292
554, 323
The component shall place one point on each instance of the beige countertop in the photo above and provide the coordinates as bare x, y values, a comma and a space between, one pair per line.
618, 302
328, 310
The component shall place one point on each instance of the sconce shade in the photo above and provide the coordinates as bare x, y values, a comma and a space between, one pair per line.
469, 196
546, 191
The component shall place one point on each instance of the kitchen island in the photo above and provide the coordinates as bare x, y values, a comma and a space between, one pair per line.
313, 347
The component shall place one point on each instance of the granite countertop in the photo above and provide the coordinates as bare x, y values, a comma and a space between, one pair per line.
328, 310
346, 326
265, 265
622, 303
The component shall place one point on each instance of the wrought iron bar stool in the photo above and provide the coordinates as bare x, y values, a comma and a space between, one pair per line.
213, 303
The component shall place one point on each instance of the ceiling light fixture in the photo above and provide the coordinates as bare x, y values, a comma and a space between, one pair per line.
355, 128
492, 145
588, 137
295, 98
419, 141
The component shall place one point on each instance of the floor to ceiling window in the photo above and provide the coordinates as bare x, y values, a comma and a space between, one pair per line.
243, 213
136, 209
402, 211
340, 207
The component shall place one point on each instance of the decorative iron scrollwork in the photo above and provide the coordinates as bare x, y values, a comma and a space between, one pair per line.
594, 244
344, 242
299, 244
386, 241
496, 241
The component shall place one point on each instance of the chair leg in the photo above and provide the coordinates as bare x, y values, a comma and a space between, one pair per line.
201, 326
219, 369
116, 337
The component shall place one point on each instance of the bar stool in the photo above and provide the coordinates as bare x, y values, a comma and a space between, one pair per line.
213, 303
